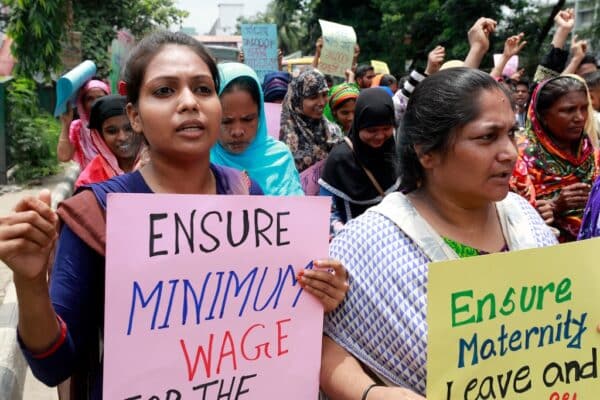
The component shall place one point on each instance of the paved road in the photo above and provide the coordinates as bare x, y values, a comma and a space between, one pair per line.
34, 390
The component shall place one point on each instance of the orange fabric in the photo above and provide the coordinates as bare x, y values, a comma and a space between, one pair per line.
377, 80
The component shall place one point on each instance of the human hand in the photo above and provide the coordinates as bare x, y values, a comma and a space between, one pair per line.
513, 45
578, 48
573, 197
27, 237
319, 44
479, 34
349, 75
328, 282
518, 74
435, 59
241, 56
67, 117
565, 19
546, 210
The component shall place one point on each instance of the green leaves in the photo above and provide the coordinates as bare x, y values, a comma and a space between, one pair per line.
99, 21
37, 27
32, 134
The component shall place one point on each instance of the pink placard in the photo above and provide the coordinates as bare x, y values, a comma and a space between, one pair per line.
309, 178
202, 299
273, 114
511, 66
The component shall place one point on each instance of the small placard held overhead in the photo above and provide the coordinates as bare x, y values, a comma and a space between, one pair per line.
338, 48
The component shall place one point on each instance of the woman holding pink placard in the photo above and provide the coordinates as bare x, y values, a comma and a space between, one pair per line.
171, 83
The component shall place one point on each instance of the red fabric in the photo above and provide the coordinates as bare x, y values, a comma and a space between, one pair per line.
98, 170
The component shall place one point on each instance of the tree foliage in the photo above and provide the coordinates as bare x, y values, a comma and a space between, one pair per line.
33, 135
37, 28
402, 32
97, 22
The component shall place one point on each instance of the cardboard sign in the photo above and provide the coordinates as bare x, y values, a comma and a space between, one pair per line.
518, 325
202, 299
119, 50
309, 178
273, 114
338, 48
380, 67
511, 66
259, 43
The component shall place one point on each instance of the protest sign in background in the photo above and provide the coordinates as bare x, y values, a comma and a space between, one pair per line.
511, 66
338, 48
119, 51
259, 43
380, 67
202, 299
518, 325
273, 115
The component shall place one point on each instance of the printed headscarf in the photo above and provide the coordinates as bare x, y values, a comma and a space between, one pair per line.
338, 95
544, 169
309, 139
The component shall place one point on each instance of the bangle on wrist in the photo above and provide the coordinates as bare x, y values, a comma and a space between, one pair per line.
367, 390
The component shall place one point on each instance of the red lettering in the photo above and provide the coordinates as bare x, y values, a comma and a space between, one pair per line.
227, 339
243, 344
280, 337
199, 353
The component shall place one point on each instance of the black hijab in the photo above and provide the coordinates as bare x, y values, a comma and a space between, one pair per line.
344, 175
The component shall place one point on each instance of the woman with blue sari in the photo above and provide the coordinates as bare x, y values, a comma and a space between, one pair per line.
244, 143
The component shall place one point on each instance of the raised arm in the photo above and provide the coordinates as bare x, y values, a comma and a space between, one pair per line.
479, 41
578, 50
555, 60
65, 149
512, 47
435, 59
318, 48
564, 22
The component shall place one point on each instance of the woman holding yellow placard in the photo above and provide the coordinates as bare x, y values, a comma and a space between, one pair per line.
456, 155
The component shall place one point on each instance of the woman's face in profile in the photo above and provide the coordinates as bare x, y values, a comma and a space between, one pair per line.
481, 155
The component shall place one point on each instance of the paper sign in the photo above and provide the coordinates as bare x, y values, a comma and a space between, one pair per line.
516, 325
69, 84
119, 50
338, 48
273, 114
259, 42
511, 66
202, 299
309, 178
380, 67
